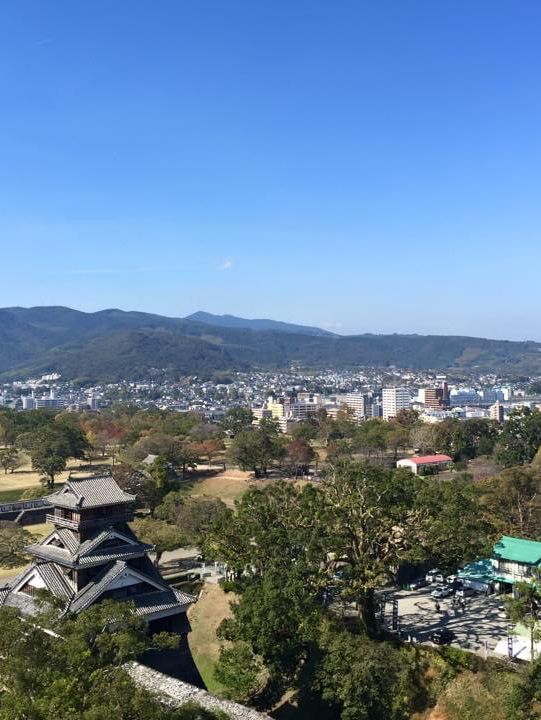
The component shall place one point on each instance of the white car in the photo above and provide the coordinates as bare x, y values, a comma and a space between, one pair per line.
442, 591
431, 575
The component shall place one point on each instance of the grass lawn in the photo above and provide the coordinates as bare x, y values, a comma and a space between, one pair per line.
205, 616
13, 485
40, 531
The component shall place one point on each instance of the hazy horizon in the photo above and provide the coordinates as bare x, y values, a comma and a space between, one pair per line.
293, 321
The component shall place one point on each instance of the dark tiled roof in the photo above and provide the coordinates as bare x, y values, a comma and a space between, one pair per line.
90, 552
89, 493
52, 578
164, 598
69, 538
55, 581
159, 601
94, 589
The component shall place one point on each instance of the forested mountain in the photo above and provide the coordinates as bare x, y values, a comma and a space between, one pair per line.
231, 321
113, 344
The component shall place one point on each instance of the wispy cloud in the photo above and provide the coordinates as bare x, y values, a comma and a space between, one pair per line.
227, 264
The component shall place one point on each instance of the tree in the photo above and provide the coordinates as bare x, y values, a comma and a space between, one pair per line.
159, 474
194, 516
10, 459
359, 677
422, 438
373, 522
104, 433
511, 501
306, 430
237, 419
525, 607
137, 483
398, 437
452, 528
299, 455
76, 671
184, 455
256, 449
13, 541
407, 418
163, 535
465, 439
240, 670
370, 437
52, 445
520, 438
208, 448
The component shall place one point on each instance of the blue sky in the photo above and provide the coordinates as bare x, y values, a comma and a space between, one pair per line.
364, 166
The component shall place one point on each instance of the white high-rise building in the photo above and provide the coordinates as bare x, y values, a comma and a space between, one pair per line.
395, 399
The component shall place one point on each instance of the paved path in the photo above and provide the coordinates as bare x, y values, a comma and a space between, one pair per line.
481, 625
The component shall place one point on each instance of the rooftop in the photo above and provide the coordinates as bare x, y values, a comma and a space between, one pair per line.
518, 549
89, 493
429, 459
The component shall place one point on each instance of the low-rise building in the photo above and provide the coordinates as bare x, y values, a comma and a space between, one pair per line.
514, 560
420, 465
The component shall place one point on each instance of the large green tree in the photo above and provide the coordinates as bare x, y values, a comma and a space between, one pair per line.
10, 459
13, 541
520, 438
163, 535
76, 671
51, 447
237, 419
256, 449
511, 501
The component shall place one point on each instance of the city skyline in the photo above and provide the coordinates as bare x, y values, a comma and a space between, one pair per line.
361, 169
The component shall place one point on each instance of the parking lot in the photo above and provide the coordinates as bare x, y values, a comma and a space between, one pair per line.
477, 628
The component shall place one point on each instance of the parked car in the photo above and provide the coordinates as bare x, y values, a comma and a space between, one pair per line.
452, 580
442, 591
466, 592
418, 583
431, 575
439, 578
442, 636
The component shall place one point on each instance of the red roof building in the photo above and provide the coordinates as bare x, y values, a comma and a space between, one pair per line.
417, 464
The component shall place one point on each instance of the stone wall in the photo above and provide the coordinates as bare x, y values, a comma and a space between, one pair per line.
176, 693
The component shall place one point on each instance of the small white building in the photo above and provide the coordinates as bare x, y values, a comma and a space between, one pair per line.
418, 465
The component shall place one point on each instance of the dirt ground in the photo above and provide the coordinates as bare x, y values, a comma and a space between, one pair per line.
228, 485
205, 616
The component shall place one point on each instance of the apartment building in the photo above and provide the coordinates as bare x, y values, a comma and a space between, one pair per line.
394, 400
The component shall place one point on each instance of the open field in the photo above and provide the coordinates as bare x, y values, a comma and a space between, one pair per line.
228, 485
40, 531
205, 617
12, 485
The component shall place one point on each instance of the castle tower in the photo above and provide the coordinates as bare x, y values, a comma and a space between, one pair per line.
93, 555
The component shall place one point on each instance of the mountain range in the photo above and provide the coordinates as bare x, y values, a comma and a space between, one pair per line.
112, 345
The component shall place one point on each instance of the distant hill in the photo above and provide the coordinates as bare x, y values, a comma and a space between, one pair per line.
112, 345
231, 321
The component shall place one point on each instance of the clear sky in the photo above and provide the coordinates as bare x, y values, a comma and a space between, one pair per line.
363, 166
